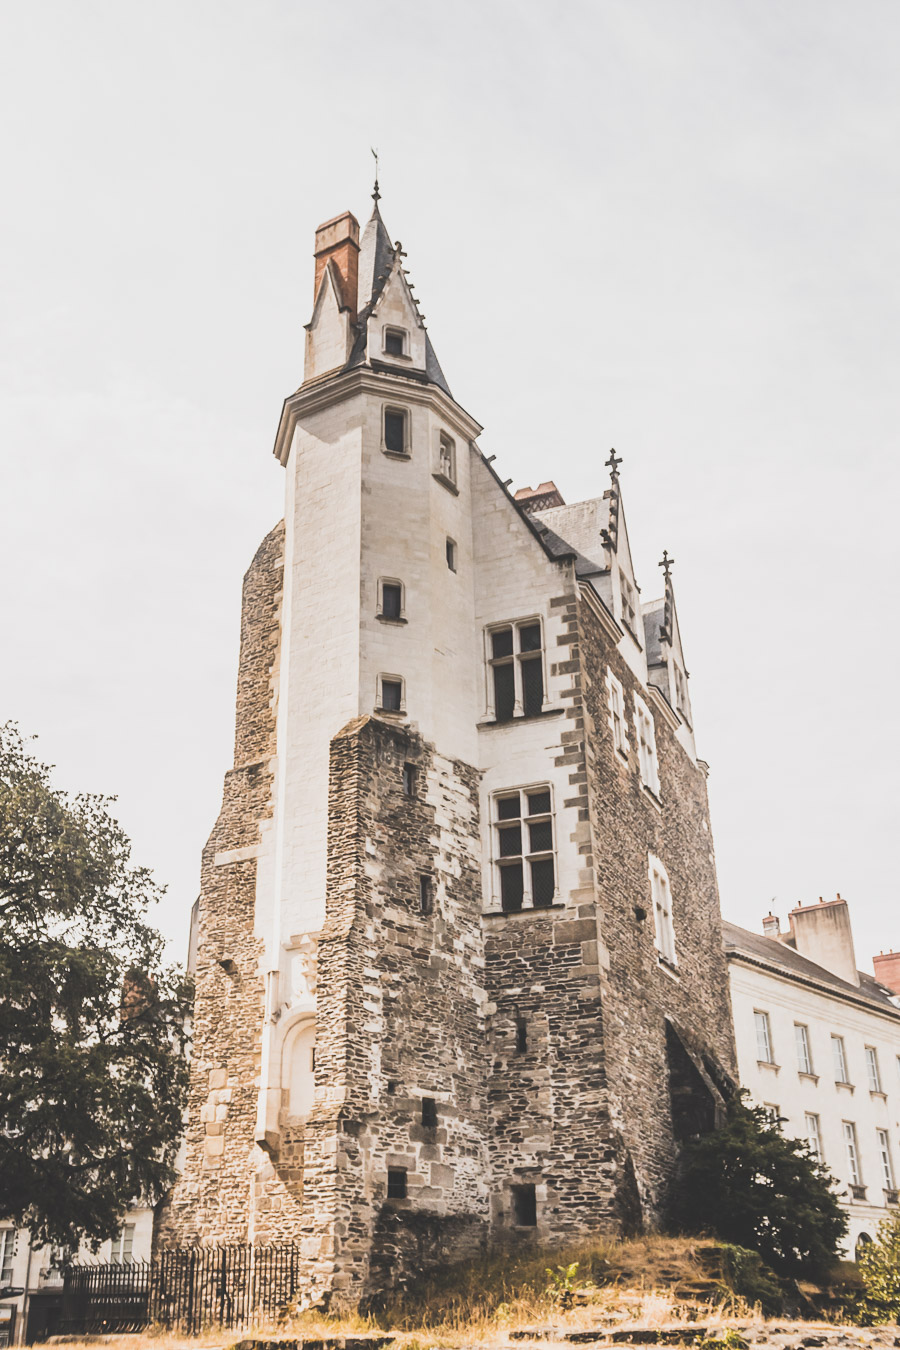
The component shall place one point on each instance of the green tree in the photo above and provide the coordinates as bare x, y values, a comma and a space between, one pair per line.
93, 1073
879, 1267
748, 1184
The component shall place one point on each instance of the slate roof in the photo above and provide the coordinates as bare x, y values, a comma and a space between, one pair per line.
770, 952
376, 258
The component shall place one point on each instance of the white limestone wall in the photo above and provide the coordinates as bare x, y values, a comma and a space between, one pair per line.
514, 580
406, 517
318, 683
794, 1094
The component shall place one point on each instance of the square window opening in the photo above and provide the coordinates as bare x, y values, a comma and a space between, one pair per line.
524, 1206
396, 1183
394, 342
391, 600
391, 695
429, 1113
395, 440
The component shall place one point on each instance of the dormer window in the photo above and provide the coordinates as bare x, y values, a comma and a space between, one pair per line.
396, 431
629, 604
394, 342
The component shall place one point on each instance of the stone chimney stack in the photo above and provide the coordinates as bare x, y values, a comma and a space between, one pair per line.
771, 925
887, 969
540, 498
339, 239
822, 933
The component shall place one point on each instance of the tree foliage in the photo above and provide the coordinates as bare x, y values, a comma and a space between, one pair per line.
93, 1074
748, 1184
879, 1268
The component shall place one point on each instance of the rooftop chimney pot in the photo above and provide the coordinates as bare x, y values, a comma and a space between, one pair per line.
338, 239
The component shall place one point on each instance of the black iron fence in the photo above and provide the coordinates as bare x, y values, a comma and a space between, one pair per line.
189, 1288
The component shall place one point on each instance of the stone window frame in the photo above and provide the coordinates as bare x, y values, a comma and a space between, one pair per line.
528, 857
296, 1036
385, 675
451, 552
380, 614
645, 739
618, 720
523, 1200
516, 658
406, 452
661, 909
394, 330
445, 460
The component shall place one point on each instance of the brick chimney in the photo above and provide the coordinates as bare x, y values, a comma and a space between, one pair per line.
339, 239
887, 969
822, 933
539, 498
771, 925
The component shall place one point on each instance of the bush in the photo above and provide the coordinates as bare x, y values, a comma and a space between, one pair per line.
749, 1185
879, 1269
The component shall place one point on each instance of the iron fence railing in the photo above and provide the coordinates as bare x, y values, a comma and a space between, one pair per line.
186, 1287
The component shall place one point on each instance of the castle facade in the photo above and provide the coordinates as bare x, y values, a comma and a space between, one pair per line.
460, 976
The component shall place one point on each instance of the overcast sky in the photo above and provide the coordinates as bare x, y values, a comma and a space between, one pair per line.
668, 226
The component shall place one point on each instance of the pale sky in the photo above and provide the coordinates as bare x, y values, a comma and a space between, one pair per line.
668, 226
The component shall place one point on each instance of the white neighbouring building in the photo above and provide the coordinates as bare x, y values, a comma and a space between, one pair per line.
818, 1042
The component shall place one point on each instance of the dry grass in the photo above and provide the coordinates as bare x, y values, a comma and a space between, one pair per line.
651, 1281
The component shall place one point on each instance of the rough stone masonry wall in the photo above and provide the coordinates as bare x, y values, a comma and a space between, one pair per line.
638, 992
550, 1122
212, 1198
401, 1018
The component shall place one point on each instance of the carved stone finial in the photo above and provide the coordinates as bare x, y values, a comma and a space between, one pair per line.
667, 564
613, 465
376, 195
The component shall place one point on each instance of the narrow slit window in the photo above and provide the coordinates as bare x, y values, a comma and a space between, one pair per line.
521, 1035
852, 1150
426, 894
616, 698
395, 440
396, 1183
429, 1113
391, 600
887, 1162
391, 695
523, 849
524, 1205
451, 554
409, 780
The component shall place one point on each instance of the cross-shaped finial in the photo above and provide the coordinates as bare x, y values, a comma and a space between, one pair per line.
398, 249
376, 195
666, 564
613, 465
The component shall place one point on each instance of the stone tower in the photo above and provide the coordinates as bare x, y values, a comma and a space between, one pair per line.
460, 977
